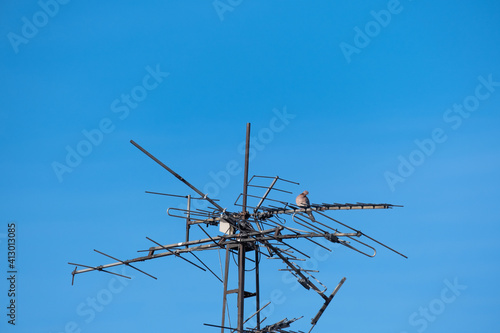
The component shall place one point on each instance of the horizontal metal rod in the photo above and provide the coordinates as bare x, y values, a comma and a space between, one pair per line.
275, 189
144, 258
126, 263
316, 208
221, 246
288, 236
288, 181
97, 268
258, 197
177, 196
229, 328
210, 239
228, 237
190, 212
225, 241
328, 207
178, 255
303, 270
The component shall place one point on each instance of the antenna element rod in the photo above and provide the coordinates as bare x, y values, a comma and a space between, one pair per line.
176, 175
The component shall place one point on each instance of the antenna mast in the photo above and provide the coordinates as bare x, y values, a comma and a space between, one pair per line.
247, 231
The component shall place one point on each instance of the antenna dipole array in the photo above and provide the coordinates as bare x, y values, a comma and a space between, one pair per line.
258, 228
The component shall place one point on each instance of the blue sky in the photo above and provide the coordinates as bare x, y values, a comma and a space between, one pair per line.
380, 101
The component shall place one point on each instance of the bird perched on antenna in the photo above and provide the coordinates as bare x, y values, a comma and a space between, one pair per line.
303, 202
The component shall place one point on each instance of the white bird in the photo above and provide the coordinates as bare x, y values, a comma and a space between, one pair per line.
303, 202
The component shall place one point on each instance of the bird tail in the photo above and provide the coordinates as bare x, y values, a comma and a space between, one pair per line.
311, 216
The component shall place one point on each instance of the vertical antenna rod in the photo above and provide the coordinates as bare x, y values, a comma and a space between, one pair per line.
224, 299
241, 246
245, 176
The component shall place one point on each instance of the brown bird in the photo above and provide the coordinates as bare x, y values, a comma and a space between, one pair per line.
303, 202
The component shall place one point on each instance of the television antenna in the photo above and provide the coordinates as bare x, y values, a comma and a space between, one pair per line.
257, 229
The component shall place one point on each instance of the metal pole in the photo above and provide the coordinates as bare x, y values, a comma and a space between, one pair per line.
257, 285
224, 299
241, 286
245, 175
241, 246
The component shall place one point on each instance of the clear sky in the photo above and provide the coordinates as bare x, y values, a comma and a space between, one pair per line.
369, 101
